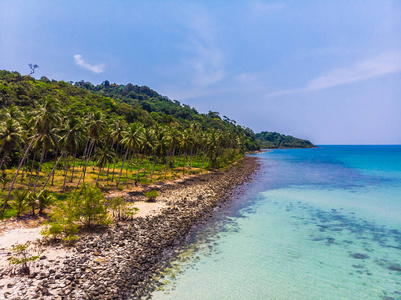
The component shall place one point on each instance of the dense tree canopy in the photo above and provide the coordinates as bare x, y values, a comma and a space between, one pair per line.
274, 140
134, 103
56, 134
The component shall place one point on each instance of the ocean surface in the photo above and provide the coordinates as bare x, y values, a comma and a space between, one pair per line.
315, 224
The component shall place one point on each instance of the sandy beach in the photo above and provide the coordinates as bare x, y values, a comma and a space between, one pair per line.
119, 262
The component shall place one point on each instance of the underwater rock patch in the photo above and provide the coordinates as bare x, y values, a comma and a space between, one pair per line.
395, 267
359, 255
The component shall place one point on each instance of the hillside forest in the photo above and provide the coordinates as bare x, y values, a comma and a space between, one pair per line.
58, 135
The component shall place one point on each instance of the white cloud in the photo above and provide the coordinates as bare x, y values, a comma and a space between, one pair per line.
206, 59
385, 63
78, 60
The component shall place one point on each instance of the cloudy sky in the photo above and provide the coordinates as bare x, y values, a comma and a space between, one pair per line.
328, 71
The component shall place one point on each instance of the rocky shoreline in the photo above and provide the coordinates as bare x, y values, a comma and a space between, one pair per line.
120, 262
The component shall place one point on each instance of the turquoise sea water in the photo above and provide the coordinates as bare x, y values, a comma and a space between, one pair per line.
315, 224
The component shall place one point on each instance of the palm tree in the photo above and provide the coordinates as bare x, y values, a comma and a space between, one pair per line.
26, 122
105, 156
20, 199
118, 126
146, 147
186, 145
16, 173
44, 142
45, 199
96, 126
10, 137
132, 140
47, 117
11, 112
174, 139
72, 139
160, 147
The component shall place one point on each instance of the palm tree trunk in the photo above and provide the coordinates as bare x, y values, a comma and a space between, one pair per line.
30, 176
98, 175
126, 170
23, 165
165, 168
54, 168
52, 173
16, 173
183, 166
37, 173
24, 170
203, 161
139, 168
108, 165
85, 150
190, 161
73, 166
122, 166
107, 174
2, 161
66, 171
116, 159
153, 169
87, 161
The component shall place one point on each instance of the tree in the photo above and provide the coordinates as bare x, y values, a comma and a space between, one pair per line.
20, 200
96, 125
47, 117
10, 137
16, 173
132, 140
32, 67
104, 156
45, 199
160, 147
72, 139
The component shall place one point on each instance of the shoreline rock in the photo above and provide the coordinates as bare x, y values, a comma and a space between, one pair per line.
120, 262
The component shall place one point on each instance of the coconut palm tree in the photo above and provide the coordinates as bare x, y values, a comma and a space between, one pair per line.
71, 139
117, 129
174, 138
186, 145
45, 199
16, 173
96, 125
160, 146
20, 199
46, 119
10, 137
104, 156
132, 140
146, 147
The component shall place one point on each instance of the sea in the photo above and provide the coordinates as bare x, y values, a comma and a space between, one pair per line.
320, 223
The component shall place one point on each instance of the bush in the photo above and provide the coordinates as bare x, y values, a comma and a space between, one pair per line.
121, 209
20, 201
84, 207
152, 195
45, 199
21, 259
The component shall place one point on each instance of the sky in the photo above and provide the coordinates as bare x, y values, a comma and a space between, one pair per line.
328, 71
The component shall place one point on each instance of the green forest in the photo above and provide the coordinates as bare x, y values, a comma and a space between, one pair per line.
274, 140
57, 135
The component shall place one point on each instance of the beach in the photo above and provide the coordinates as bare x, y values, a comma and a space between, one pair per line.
120, 262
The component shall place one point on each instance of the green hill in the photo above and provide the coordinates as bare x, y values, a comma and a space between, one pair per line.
274, 140
57, 135
134, 103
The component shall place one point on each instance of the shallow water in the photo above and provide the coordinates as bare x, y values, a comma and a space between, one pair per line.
316, 224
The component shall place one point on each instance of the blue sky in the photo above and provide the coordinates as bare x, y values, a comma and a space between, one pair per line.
328, 71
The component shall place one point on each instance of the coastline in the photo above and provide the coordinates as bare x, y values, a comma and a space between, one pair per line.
120, 261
